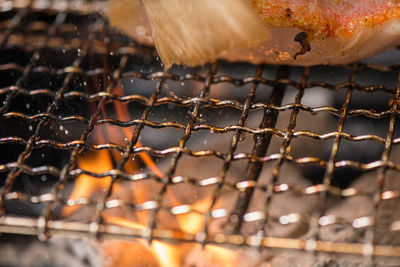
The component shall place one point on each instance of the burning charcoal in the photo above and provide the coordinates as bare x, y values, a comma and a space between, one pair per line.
303, 259
213, 256
26, 251
118, 253
352, 208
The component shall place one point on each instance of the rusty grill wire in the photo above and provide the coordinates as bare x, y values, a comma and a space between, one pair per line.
74, 32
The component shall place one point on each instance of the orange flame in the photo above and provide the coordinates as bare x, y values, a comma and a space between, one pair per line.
193, 221
103, 160
123, 114
167, 254
86, 185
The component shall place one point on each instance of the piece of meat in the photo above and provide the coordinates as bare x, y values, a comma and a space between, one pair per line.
326, 18
326, 31
339, 31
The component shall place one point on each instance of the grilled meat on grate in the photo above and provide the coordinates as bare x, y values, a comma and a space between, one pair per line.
263, 156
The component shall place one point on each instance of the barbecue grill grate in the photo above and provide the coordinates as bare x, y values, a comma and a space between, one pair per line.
60, 67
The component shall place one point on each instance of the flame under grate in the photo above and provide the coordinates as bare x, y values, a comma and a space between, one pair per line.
62, 71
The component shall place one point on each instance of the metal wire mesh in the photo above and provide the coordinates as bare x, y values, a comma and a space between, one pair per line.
63, 73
